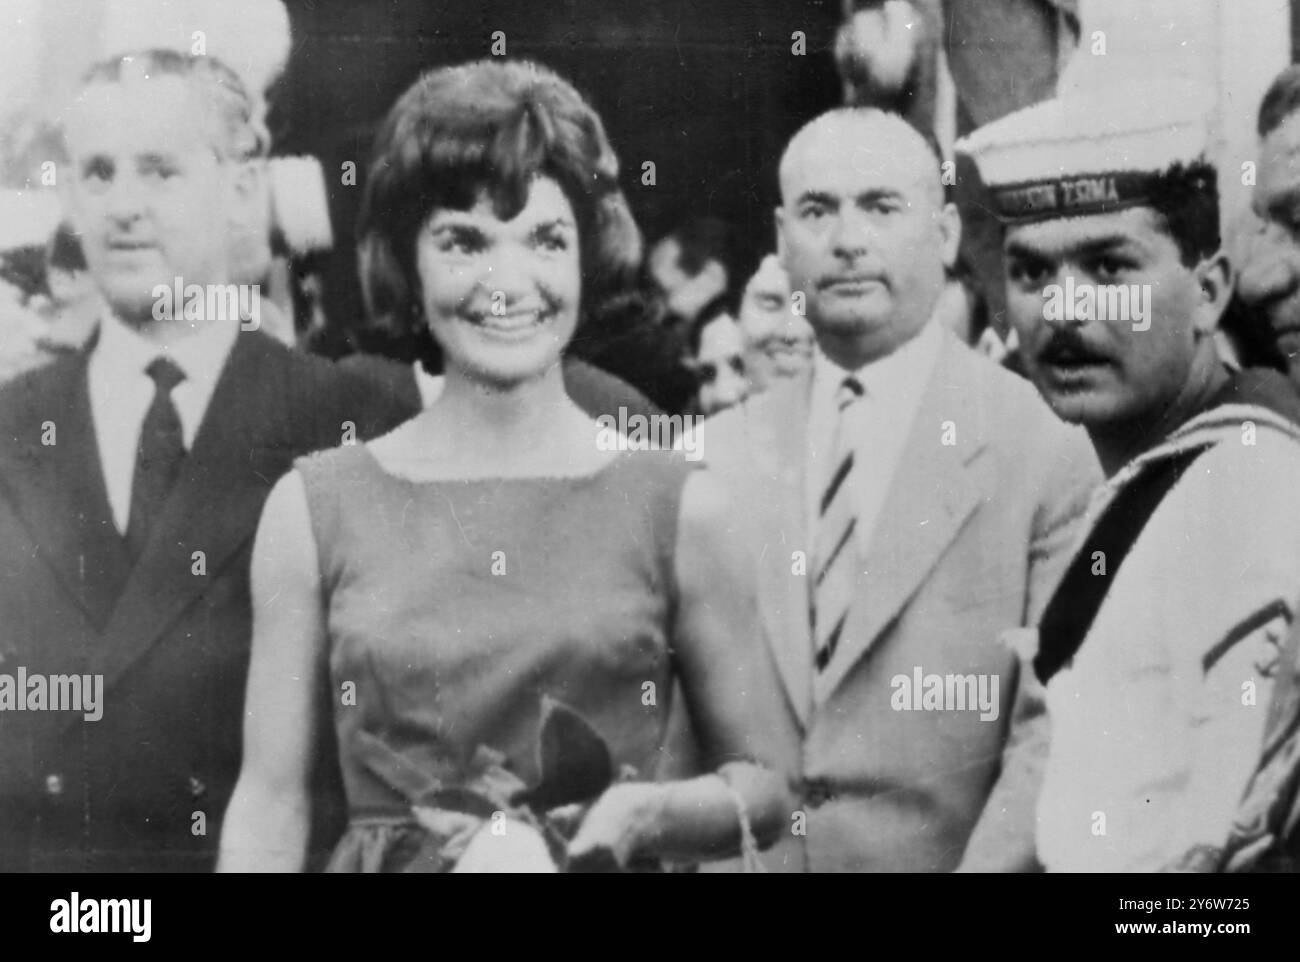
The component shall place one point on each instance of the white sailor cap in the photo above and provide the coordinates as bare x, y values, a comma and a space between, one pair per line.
1089, 151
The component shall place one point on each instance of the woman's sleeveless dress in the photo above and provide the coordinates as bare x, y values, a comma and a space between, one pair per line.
456, 609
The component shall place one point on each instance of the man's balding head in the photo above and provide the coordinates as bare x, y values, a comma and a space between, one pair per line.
863, 231
868, 138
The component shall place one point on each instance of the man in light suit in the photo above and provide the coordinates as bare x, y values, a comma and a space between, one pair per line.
908, 502
132, 475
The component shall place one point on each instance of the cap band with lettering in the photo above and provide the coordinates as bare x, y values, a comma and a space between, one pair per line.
1073, 196
1093, 149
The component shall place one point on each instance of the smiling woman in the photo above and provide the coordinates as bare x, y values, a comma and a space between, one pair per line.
506, 601
526, 311
472, 140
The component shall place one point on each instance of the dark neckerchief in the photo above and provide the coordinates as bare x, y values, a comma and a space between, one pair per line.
1073, 607
1070, 613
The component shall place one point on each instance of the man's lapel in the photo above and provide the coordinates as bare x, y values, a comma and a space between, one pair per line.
778, 426
934, 490
239, 452
55, 483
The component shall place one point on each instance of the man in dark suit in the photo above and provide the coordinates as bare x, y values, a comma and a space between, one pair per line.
132, 476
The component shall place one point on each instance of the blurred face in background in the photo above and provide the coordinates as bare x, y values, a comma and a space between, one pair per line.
1269, 277
778, 341
147, 192
863, 231
720, 366
501, 297
684, 295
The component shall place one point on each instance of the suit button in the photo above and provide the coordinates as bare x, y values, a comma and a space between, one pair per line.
54, 785
817, 792
197, 788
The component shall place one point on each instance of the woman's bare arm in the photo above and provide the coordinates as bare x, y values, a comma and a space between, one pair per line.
266, 826
746, 734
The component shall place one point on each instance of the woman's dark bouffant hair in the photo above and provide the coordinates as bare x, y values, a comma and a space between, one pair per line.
489, 126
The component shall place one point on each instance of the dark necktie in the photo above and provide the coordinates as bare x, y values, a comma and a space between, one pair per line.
158, 458
835, 561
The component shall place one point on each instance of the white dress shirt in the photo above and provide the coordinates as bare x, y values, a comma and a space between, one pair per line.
893, 388
121, 391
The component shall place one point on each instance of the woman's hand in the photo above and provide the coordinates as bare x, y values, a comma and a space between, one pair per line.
729, 681
619, 824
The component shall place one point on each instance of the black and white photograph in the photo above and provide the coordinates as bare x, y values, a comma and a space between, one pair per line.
651, 437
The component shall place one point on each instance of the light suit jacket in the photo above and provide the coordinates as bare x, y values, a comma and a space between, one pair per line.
972, 539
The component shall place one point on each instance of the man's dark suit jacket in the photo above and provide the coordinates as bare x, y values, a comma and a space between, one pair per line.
145, 787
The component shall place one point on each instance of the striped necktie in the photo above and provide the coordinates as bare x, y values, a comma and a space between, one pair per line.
833, 552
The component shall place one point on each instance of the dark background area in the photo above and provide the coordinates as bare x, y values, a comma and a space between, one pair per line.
708, 90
